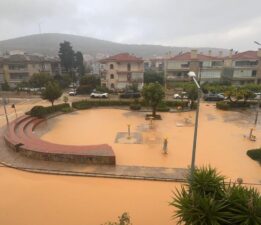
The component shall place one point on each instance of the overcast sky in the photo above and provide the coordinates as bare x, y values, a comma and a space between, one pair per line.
193, 23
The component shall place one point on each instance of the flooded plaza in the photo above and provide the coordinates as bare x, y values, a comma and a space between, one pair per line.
28, 198
221, 138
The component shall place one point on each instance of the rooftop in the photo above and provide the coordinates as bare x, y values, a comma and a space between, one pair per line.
123, 57
250, 55
187, 57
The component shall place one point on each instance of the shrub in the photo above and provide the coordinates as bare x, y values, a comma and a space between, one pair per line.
38, 111
223, 105
86, 104
162, 107
175, 104
255, 154
231, 105
134, 106
41, 111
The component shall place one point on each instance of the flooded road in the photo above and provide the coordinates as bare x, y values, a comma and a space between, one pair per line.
221, 138
28, 198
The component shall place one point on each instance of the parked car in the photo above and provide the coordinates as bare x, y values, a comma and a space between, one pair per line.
213, 97
72, 93
97, 94
130, 94
257, 95
182, 95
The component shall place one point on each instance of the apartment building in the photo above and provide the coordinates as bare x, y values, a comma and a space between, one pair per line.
20, 67
244, 67
208, 67
121, 71
238, 68
154, 64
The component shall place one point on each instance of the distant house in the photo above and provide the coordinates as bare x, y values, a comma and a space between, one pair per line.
121, 71
16, 68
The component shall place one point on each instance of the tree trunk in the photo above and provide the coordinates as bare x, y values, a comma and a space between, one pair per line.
154, 111
52, 102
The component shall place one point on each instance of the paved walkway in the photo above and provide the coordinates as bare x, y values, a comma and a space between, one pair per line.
13, 159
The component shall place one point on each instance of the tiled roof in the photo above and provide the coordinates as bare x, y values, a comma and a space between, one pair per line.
250, 55
123, 57
187, 57
18, 58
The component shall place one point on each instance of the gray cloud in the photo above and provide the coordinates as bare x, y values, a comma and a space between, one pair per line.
216, 23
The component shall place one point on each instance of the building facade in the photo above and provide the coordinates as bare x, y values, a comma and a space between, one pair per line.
208, 67
244, 67
16, 68
121, 71
238, 68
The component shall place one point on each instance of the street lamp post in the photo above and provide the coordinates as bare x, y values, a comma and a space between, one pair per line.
259, 99
193, 75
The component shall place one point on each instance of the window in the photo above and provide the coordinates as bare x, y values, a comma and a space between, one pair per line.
129, 67
253, 73
246, 63
112, 86
111, 66
17, 66
112, 76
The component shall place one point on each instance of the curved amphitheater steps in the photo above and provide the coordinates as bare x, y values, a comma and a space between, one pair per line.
20, 137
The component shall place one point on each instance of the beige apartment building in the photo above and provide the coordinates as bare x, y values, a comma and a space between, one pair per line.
244, 67
20, 67
208, 67
238, 68
121, 71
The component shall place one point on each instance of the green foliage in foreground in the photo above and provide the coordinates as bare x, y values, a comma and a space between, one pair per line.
207, 200
255, 154
124, 219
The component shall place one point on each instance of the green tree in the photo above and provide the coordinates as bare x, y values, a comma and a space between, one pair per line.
79, 63
88, 83
192, 92
63, 80
152, 77
153, 94
52, 92
207, 199
67, 56
39, 80
5, 86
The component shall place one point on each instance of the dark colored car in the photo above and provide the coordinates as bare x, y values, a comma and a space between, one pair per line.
214, 97
130, 94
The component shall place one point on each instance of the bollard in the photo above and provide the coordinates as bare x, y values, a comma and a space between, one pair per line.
165, 145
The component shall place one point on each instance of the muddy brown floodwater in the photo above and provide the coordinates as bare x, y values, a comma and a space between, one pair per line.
221, 141
28, 198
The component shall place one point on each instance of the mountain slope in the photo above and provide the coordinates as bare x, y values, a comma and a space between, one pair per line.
48, 44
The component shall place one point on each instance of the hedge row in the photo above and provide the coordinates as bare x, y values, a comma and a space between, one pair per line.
225, 105
136, 105
85, 104
255, 154
41, 111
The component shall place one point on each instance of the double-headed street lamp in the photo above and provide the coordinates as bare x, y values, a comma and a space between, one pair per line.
193, 76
